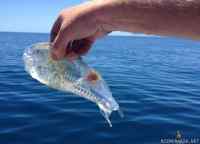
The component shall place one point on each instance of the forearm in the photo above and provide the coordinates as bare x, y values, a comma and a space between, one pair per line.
161, 17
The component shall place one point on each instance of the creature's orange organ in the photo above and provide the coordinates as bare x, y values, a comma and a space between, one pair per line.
92, 76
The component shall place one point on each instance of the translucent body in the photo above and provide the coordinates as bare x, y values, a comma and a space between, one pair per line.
76, 77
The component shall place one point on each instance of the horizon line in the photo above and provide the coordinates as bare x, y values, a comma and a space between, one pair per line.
115, 33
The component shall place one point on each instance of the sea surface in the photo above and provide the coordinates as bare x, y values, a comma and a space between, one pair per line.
155, 80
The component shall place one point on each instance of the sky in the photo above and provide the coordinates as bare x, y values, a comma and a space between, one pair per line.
33, 15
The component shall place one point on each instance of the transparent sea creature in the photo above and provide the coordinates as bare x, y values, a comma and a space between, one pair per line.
70, 76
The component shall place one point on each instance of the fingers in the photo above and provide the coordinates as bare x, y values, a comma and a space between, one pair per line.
61, 37
55, 29
78, 48
60, 44
81, 47
63, 47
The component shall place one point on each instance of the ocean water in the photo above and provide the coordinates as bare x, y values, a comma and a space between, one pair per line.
155, 80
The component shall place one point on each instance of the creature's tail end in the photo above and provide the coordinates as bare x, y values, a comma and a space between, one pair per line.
106, 115
107, 112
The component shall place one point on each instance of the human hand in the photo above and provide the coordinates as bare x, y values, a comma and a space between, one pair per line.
75, 30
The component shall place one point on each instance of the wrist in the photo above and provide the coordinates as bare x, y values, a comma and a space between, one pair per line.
105, 12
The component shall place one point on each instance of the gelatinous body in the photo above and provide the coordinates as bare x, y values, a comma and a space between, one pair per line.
76, 77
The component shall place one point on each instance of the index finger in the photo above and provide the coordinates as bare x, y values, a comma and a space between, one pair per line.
55, 29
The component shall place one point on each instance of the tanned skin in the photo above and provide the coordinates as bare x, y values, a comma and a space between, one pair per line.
77, 28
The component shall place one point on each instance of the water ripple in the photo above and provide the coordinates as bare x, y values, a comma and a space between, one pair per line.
155, 80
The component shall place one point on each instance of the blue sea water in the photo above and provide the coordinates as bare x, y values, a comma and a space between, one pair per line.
156, 81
